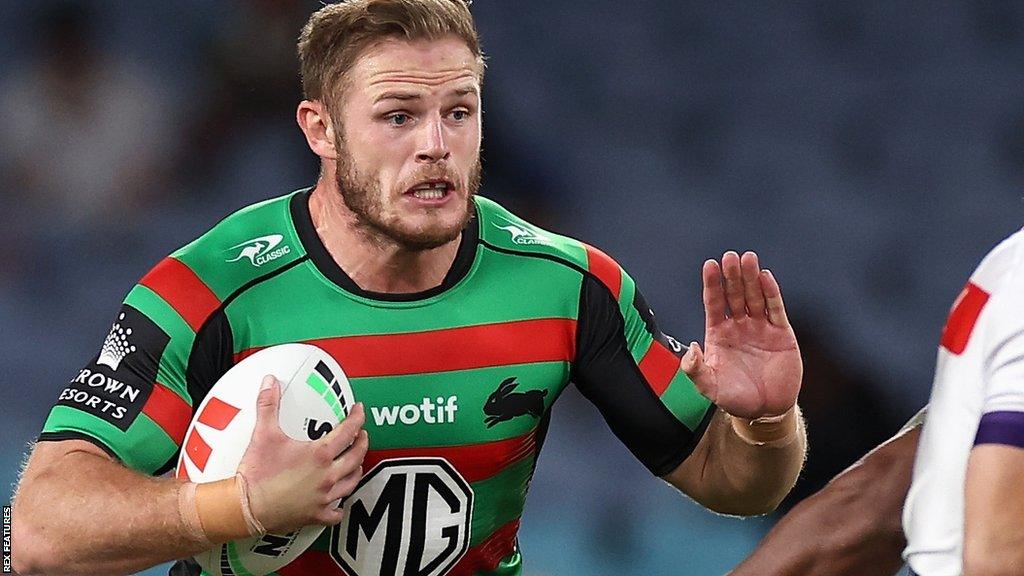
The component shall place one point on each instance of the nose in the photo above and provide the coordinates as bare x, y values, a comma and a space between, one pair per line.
433, 146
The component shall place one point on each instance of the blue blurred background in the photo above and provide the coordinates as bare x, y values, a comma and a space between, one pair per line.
871, 152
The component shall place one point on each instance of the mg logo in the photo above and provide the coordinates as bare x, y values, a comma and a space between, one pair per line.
408, 517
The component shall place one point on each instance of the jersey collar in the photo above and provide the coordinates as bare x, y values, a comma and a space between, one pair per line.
324, 262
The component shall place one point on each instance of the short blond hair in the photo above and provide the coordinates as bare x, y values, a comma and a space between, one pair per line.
337, 34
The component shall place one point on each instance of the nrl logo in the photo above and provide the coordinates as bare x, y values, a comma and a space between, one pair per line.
260, 250
523, 236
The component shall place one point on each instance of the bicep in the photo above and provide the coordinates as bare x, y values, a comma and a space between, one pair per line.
630, 371
993, 502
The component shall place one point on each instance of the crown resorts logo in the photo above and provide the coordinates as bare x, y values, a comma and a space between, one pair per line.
261, 250
524, 236
116, 346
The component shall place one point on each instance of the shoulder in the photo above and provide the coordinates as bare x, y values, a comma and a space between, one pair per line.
249, 244
503, 231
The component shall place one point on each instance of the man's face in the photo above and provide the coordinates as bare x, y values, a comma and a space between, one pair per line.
409, 140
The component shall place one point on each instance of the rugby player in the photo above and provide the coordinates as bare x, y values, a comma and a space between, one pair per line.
962, 513
457, 322
851, 527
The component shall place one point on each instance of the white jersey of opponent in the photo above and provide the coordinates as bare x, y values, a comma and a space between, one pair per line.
980, 371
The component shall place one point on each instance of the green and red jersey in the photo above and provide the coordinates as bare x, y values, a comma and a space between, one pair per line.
458, 381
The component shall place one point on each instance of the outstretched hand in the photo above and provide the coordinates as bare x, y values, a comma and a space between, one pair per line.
750, 366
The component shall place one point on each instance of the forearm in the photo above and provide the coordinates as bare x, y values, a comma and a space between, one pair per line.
748, 470
850, 527
103, 519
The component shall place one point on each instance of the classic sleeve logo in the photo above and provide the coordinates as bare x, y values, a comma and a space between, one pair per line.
117, 383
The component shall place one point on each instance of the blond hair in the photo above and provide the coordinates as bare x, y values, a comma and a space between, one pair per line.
337, 34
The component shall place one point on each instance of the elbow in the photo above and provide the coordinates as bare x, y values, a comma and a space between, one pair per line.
746, 505
28, 556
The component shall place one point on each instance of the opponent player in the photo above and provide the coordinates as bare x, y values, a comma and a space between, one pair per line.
851, 527
458, 323
962, 513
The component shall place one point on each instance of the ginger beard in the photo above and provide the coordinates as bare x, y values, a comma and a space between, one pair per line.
362, 194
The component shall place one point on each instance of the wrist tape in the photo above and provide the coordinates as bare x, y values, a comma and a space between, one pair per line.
220, 511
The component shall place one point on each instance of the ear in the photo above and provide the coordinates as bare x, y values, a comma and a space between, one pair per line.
508, 385
315, 122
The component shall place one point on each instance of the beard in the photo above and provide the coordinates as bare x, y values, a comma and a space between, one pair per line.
364, 197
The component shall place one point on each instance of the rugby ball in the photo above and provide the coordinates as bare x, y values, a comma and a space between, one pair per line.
315, 397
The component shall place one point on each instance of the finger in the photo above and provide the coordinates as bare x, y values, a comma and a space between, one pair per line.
345, 486
714, 294
351, 458
330, 516
693, 364
773, 298
733, 284
268, 404
752, 291
338, 440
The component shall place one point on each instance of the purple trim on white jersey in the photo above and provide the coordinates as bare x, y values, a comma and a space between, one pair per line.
1001, 428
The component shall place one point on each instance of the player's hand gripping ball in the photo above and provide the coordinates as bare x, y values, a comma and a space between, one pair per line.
315, 397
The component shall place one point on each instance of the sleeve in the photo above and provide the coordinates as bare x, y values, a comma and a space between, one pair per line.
1002, 420
630, 371
165, 347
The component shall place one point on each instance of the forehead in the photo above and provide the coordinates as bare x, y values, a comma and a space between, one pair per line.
430, 63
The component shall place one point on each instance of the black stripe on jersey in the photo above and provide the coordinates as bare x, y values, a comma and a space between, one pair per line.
540, 255
607, 375
324, 262
68, 435
213, 348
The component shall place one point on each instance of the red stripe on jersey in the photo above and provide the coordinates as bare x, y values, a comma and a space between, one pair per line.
197, 449
463, 348
312, 562
485, 556
960, 323
474, 462
179, 286
217, 413
659, 367
169, 411
607, 271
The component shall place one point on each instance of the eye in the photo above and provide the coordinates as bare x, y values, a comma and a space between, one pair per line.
398, 119
460, 115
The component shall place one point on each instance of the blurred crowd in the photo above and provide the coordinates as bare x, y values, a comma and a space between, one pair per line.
870, 151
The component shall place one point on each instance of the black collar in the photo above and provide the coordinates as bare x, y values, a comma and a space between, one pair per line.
328, 267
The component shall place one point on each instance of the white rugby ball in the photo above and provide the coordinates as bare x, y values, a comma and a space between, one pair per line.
315, 397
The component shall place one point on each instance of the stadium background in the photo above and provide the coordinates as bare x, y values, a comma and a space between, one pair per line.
870, 151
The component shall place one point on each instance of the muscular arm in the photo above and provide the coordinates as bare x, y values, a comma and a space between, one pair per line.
108, 519
743, 475
849, 528
993, 507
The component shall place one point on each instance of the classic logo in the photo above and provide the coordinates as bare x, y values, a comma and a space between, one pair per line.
406, 516
261, 250
117, 345
524, 236
504, 404
430, 411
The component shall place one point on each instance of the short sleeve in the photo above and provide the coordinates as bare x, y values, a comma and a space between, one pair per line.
630, 371
133, 397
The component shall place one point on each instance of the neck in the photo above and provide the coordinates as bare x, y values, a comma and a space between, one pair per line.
374, 263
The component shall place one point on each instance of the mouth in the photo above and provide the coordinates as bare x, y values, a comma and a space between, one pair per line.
431, 191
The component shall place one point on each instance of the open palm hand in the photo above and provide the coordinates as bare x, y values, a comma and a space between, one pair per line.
750, 366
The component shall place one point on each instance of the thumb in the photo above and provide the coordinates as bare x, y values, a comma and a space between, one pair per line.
268, 403
693, 361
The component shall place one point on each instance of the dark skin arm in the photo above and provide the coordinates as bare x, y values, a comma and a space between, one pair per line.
852, 527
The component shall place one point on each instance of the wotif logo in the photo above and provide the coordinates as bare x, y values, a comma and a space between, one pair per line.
261, 250
431, 411
524, 236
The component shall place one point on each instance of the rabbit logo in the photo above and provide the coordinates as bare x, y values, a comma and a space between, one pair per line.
504, 404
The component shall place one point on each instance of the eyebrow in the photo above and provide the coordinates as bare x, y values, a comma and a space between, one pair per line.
400, 95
